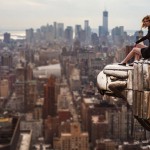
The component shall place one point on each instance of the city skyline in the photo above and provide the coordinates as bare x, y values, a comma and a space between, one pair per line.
23, 14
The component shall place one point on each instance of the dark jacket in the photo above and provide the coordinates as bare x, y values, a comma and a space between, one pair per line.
146, 37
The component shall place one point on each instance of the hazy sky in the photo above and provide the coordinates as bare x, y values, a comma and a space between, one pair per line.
23, 14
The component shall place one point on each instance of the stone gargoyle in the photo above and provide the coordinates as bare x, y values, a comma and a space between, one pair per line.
132, 84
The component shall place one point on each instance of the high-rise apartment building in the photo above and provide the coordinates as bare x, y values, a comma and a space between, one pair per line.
75, 82
38, 108
50, 129
98, 123
31, 94
6, 58
29, 35
55, 30
49, 108
25, 87
118, 35
4, 88
74, 140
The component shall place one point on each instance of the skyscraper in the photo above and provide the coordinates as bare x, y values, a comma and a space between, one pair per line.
49, 108
29, 35
87, 32
60, 30
6, 37
69, 34
105, 22
6, 58
86, 24
78, 31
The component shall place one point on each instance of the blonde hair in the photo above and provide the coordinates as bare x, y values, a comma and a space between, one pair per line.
145, 18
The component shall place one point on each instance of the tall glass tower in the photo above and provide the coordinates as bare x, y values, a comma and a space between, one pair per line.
87, 32
105, 22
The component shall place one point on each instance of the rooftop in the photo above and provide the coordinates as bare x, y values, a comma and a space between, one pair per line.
25, 140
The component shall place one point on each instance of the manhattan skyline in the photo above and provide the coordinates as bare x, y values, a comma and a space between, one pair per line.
23, 14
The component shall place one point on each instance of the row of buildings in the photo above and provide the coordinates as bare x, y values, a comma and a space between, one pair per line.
48, 91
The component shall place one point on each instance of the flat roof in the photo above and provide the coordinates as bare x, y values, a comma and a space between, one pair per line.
25, 141
90, 100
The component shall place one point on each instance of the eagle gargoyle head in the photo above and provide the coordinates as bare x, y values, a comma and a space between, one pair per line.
131, 83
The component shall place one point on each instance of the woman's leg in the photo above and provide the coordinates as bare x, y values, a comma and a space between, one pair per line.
134, 51
141, 45
137, 57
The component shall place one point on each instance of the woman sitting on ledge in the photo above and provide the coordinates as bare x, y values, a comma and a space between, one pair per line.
140, 50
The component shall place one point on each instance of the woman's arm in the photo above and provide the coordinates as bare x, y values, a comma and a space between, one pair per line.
142, 39
141, 45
